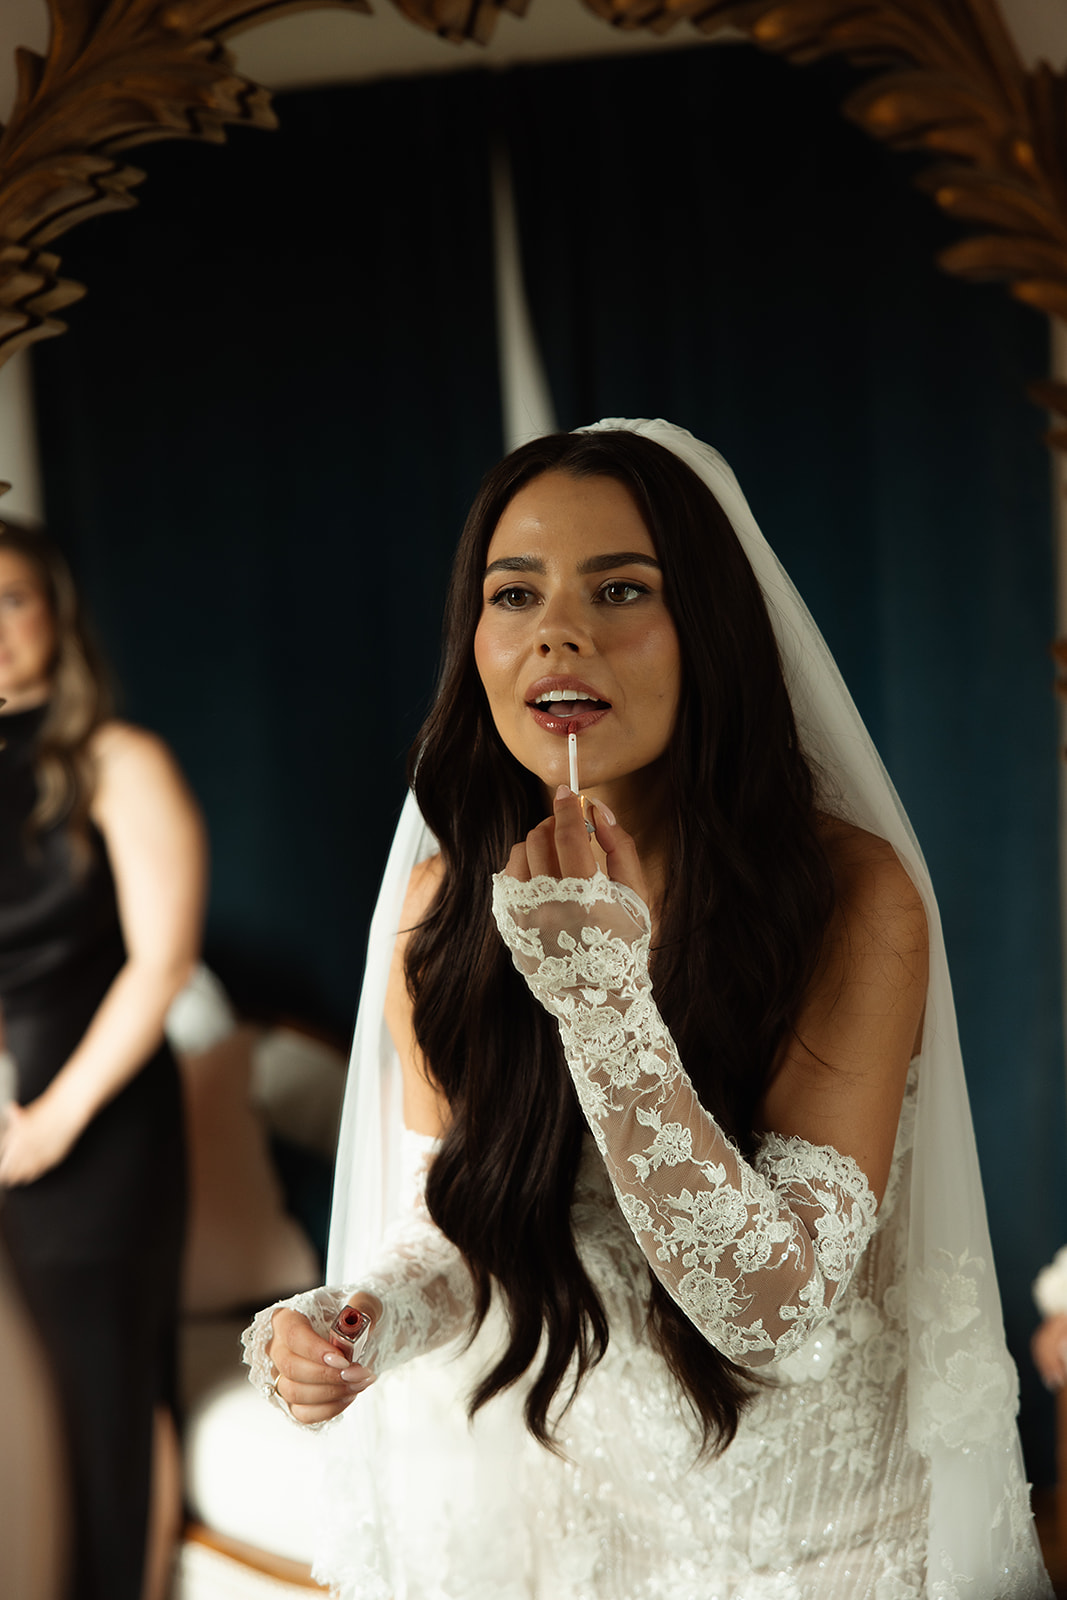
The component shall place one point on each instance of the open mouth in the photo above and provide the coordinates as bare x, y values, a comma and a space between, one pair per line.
561, 711
558, 702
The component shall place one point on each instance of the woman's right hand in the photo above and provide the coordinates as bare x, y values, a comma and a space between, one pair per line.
315, 1379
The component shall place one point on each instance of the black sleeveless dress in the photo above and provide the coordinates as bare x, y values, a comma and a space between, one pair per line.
96, 1242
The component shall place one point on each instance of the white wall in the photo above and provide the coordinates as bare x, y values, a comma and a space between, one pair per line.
18, 443
22, 22
1040, 29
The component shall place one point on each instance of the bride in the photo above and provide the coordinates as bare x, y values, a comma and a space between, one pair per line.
686, 1214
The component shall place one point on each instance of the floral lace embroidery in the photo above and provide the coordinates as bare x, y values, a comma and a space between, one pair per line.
968, 1390
426, 1294
425, 1289
757, 1257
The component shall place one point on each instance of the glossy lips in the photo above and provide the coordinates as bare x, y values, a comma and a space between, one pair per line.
565, 705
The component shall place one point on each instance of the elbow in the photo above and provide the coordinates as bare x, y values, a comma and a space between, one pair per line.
166, 975
181, 973
755, 1360
755, 1349
174, 975
781, 1330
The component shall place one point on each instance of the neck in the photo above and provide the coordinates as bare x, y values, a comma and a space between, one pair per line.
641, 804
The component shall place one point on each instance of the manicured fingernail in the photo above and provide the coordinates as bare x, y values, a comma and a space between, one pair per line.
562, 792
606, 811
335, 1359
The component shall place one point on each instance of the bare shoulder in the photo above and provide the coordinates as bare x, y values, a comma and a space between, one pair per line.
877, 902
426, 878
843, 1067
118, 745
136, 773
425, 1107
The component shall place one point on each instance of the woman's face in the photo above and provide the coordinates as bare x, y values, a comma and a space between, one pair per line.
575, 634
27, 634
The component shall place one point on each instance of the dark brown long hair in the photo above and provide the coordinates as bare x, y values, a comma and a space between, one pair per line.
738, 938
80, 698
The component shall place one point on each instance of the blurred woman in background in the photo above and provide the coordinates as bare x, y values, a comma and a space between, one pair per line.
102, 873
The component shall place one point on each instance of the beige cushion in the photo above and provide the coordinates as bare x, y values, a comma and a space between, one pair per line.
242, 1248
250, 1474
298, 1082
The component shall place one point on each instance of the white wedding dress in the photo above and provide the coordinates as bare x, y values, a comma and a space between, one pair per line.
879, 1458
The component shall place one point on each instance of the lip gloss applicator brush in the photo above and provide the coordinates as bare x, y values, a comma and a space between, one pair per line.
572, 756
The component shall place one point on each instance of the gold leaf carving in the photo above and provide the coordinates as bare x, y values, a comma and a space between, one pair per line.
117, 73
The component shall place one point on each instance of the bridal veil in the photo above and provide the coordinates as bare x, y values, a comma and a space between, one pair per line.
962, 1385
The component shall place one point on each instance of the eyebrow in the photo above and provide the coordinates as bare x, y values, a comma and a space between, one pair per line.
604, 563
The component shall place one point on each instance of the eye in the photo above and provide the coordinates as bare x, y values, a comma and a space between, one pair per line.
621, 592
513, 598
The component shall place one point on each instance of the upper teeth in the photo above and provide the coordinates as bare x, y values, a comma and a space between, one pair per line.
564, 694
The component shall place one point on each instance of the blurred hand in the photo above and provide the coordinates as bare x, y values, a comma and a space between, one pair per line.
34, 1139
314, 1379
1049, 1349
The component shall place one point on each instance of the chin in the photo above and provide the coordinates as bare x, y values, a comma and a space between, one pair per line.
546, 767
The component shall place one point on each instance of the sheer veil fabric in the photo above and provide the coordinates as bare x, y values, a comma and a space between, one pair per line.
962, 1386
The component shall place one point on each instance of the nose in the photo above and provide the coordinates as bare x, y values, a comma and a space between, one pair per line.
562, 630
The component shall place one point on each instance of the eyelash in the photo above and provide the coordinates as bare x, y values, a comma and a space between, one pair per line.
639, 590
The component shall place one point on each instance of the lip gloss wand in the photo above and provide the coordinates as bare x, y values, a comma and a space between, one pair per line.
572, 756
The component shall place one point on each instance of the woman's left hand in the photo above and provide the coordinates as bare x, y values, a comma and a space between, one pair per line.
561, 847
33, 1140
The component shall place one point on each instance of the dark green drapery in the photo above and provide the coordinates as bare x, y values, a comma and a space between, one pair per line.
260, 439
705, 239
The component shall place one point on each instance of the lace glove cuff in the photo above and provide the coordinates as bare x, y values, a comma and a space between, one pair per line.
756, 1257
420, 1278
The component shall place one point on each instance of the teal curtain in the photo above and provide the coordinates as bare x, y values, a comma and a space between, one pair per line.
706, 239
260, 438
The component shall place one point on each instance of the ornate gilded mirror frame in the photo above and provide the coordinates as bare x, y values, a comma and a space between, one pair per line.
948, 80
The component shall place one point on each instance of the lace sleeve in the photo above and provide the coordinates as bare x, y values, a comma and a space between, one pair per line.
420, 1278
425, 1289
756, 1257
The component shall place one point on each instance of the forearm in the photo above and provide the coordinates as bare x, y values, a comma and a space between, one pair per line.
125, 1030
756, 1256
425, 1294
